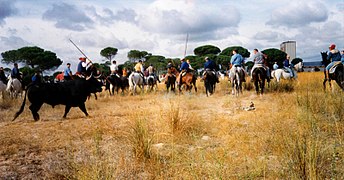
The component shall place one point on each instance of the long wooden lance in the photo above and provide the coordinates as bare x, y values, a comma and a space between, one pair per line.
79, 49
186, 43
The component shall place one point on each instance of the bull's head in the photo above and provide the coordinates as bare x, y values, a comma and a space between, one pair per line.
95, 85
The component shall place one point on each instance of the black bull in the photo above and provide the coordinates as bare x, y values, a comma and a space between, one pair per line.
70, 93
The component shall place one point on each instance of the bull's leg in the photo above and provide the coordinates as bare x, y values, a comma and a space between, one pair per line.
34, 110
83, 108
67, 108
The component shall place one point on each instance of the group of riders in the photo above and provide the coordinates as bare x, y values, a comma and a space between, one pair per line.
236, 65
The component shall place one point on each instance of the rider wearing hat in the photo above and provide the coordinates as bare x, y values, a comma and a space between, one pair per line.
333, 56
82, 66
210, 65
184, 68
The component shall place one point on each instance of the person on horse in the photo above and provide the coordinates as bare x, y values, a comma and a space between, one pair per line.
15, 73
190, 67
275, 66
36, 78
333, 56
288, 66
184, 68
259, 61
170, 68
342, 58
67, 73
3, 77
139, 69
82, 66
210, 66
114, 69
237, 62
151, 72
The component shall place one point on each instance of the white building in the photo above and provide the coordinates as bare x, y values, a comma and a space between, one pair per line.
289, 47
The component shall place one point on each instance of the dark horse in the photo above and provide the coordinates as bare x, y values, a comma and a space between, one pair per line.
117, 83
171, 77
259, 77
209, 82
337, 74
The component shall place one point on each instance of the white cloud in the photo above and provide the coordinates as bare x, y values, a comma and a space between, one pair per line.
68, 16
180, 17
298, 13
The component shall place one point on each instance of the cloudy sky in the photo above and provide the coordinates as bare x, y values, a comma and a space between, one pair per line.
160, 26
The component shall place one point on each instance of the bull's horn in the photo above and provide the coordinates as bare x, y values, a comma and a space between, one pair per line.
98, 76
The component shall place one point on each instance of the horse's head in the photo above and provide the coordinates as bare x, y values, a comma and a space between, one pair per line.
324, 58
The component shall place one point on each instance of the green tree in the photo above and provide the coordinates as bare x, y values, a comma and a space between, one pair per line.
11, 56
274, 55
229, 51
35, 57
109, 52
159, 62
223, 60
128, 65
206, 49
136, 55
103, 68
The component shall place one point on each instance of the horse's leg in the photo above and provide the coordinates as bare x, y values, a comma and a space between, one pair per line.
256, 84
233, 85
324, 84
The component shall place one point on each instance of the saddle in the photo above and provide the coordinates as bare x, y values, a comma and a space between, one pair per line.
334, 67
285, 70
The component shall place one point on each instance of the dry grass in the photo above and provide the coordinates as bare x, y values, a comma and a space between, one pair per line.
296, 132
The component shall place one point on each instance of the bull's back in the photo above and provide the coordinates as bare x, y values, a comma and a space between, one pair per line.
55, 94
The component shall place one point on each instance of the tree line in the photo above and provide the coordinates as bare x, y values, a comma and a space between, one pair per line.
36, 58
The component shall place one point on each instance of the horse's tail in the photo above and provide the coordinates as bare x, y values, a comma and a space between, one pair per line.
23, 104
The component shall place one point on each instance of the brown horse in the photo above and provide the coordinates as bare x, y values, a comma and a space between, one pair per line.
188, 80
171, 77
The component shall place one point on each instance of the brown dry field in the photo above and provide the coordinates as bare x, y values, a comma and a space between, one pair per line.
295, 132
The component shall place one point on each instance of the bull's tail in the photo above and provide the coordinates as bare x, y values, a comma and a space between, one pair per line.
22, 106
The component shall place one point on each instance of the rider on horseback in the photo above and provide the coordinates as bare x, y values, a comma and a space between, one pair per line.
288, 66
151, 72
139, 69
83, 65
15, 74
210, 66
258, 59
184, 68
333, 56
237, 62
114, 69
3, 77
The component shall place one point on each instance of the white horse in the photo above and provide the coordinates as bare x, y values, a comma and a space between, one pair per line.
236, 75
2, 89
14, 87
281, 73
135, 79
